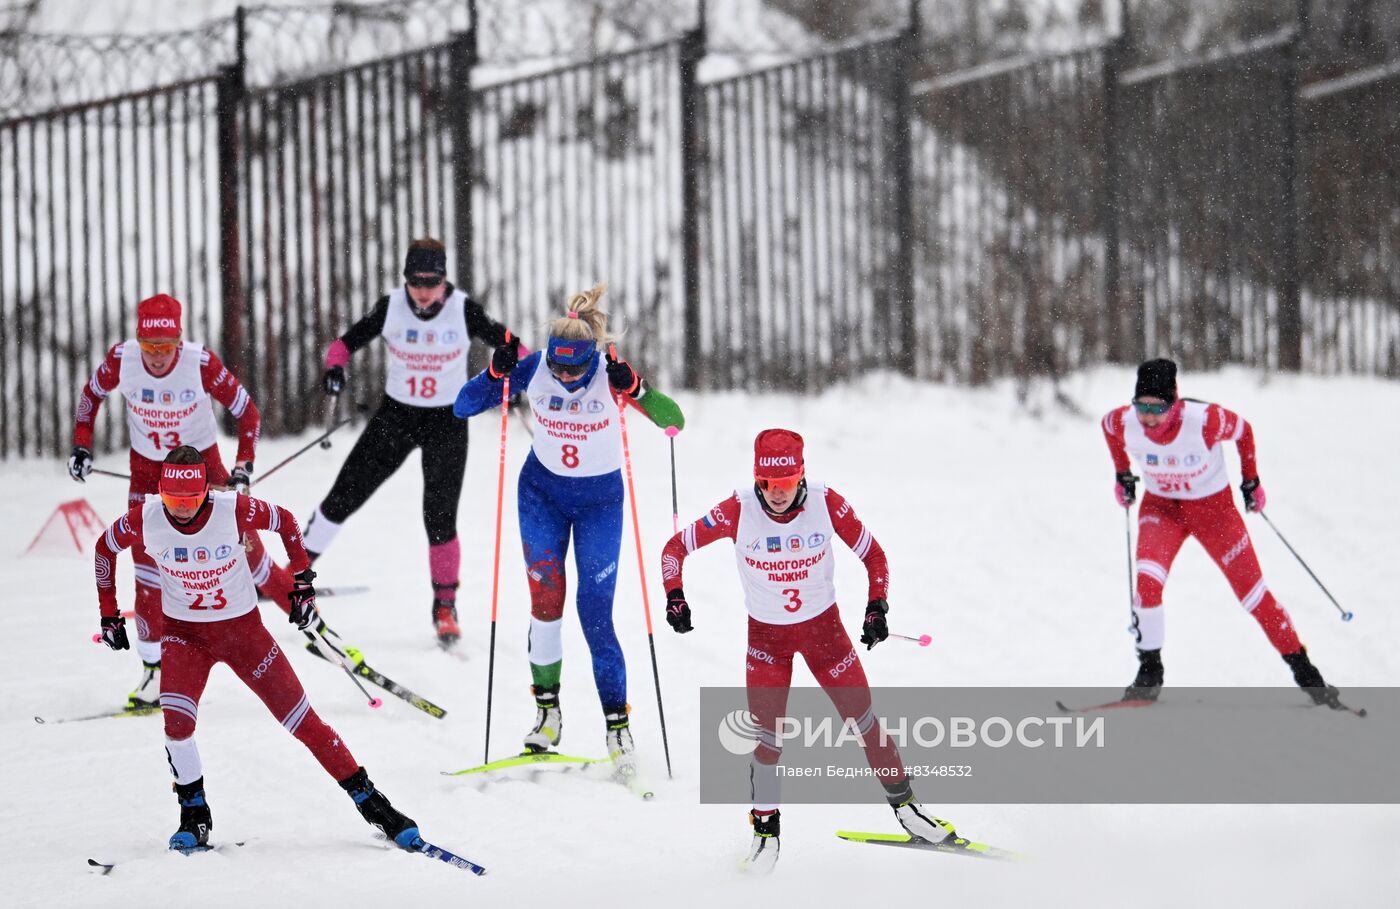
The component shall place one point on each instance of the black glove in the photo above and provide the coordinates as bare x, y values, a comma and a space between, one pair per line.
1128, 484
80, 463
114, 632
334, 380
874, 630
303, 600
505, 357
678, 611
239, 481
623, 377
1253, 495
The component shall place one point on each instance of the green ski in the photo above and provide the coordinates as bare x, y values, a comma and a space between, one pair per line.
958, 846
527, 759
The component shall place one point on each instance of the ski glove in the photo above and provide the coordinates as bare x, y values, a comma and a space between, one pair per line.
504, 359
334, 380
623, 377
678, 611
1254, 498
874, 630
114, 632
1125, 488
239, 481
80, 463
303, 600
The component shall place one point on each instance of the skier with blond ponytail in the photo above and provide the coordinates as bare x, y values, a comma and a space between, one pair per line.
572, 483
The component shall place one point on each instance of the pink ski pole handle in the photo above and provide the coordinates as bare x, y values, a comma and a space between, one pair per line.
922, 640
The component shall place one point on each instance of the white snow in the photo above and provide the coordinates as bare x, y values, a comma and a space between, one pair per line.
1004, 545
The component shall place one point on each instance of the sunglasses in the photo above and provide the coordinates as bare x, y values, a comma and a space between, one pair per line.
1143, 407
425, 280
158, 348
785, 484
174, 502
566, 370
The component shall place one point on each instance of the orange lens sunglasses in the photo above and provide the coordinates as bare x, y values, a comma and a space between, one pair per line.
786, 484
158, 348
173, 502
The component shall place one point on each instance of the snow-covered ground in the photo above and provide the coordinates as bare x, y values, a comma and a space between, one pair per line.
1004, 545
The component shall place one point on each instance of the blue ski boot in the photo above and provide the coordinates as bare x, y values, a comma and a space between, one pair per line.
375, 808
195, 819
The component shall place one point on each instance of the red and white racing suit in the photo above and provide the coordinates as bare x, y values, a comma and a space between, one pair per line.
211, 616
1187, 493
786, 568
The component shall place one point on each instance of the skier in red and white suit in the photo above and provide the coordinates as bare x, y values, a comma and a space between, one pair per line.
211, 616
1177, 446
782, 528
167, 384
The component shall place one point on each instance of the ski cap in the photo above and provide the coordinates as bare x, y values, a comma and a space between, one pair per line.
777, 454
158, 317
1156, 379
183, 485
420, 259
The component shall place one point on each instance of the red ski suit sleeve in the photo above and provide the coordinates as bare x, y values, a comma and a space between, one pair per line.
252, 514
722, 522
220, 384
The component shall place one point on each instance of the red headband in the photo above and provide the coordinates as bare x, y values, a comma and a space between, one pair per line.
183, 479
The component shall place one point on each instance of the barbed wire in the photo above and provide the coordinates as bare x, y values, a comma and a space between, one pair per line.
40, 72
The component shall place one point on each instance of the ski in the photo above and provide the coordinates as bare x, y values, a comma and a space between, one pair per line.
433, 851
359, 667
959, 846
526, 759
635, 783
215, 847
347, 591
143, 711
1107, 705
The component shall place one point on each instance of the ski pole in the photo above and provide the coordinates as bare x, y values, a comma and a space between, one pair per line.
671, 433
374, 702
641, 568
331, 402
922, 640
496, 560
1128, 535
1346, 616
111, 473
303, 449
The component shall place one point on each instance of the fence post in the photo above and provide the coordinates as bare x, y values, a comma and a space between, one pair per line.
692, 49
902, 154
232, 87
463, 58
1290, 309
1119, 348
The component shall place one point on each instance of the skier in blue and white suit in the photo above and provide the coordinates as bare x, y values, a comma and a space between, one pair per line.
572, 483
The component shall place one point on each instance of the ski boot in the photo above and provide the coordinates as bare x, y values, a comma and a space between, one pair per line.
146, 697
1148, 683
1310, 680
549, 722
375, 808
921, 826
763, 851
620, 748
445, 616
195, 819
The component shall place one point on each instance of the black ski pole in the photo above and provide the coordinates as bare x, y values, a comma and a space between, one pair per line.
111, 473
1346, 616
304, 449
671, 433
1128, 535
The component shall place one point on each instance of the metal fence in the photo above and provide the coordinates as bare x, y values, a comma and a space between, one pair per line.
776, 228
